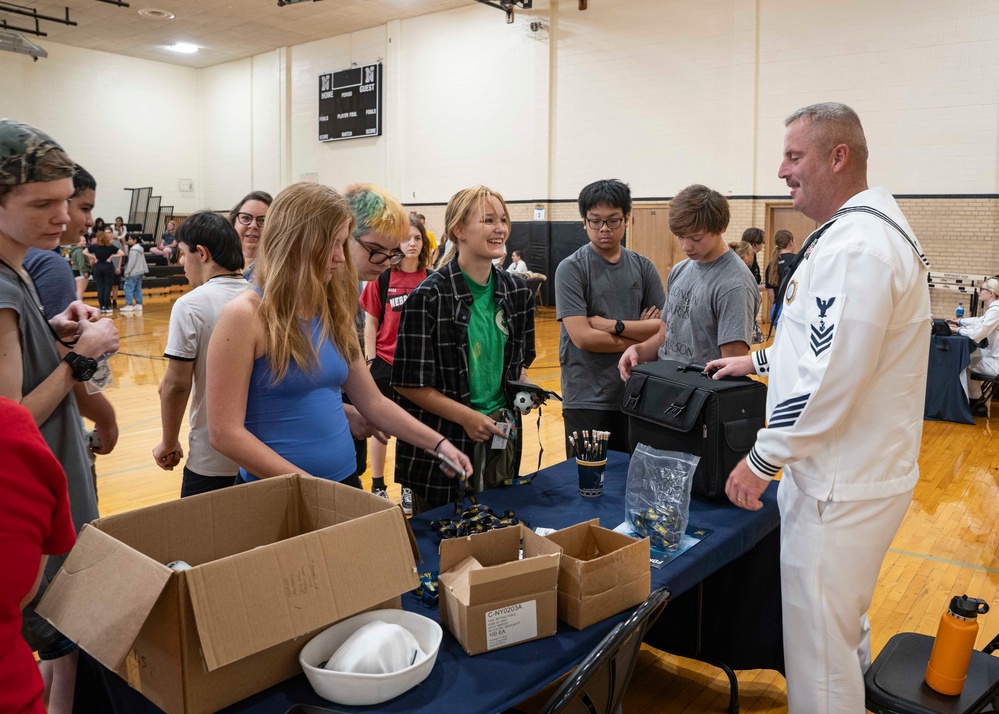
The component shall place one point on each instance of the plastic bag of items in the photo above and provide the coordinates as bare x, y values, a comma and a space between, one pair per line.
657, 500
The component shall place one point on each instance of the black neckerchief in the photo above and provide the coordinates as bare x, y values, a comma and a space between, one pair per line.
795, 262
779, 297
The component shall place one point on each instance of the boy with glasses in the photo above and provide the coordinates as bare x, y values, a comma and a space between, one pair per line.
607, 298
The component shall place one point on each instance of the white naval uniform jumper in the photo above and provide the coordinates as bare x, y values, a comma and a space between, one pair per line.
847, 383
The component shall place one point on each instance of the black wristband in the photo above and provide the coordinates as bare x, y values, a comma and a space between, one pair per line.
443, 439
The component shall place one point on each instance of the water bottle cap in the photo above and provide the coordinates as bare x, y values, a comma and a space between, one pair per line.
968, 607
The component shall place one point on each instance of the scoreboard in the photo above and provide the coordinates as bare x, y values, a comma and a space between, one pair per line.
350, 103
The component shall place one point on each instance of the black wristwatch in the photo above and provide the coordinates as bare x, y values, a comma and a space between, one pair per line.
618, 327
83, 367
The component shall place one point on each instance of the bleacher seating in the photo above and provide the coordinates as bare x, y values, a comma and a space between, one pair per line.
160, 278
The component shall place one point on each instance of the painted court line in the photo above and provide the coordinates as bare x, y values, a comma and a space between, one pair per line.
948, 561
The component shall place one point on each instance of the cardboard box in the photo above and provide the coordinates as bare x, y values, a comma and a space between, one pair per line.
274, 562
489, 597
601, 573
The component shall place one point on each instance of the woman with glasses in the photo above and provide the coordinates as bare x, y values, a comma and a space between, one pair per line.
281, 352
382, 301
985, 327
247, 217
381, 225
465, 332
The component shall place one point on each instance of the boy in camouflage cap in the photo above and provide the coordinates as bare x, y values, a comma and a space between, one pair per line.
28, 155
35, 187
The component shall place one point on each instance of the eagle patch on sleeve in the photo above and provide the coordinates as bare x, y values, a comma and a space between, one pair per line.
824, 312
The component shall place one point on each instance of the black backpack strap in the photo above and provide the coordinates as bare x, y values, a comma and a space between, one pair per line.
383, 287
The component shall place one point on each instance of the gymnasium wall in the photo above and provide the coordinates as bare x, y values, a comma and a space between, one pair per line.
130, 122
660, 93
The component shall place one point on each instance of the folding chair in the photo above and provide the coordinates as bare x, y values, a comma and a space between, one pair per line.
895, 685
988, 388
599, 683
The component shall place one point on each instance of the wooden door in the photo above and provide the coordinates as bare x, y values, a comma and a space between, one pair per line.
783, 216
649, 235
786, 217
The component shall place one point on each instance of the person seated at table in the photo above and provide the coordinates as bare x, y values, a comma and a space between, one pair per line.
168, 244
282, 350
517, 264
465, 332
985, 327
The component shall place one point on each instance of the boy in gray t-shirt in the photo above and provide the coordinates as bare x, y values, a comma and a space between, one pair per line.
711, 298
607, 299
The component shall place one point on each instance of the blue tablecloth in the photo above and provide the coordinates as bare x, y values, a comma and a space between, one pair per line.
946, 395
494, 681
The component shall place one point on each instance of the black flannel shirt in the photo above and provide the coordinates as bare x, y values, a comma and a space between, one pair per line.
432, 351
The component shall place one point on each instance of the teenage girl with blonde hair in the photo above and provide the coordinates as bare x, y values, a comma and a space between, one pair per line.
282, 350
984, 327
465, 332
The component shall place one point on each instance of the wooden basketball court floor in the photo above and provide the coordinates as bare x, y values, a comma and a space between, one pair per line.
947, 544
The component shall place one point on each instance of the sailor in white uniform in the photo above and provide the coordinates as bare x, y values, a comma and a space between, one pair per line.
847, 380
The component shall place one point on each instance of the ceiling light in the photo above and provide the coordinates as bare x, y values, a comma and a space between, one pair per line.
183, 47
16, 42
154, 14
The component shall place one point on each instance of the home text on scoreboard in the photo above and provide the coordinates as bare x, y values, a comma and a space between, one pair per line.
350, 103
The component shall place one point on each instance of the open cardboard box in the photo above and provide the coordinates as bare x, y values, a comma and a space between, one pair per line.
489, 597
274, 562
601, 573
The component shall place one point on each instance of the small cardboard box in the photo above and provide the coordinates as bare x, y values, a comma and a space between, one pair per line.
601, 573
272, 563
489, 597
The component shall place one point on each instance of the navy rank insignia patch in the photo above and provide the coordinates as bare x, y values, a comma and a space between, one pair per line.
822, 334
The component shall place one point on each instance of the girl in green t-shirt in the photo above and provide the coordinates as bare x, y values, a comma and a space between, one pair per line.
465, 332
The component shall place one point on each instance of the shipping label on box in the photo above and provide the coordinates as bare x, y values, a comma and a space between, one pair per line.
511, 624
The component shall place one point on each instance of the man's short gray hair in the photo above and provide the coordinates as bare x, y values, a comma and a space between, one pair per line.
839, 122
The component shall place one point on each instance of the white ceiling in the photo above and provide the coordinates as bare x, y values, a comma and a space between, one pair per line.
225, 30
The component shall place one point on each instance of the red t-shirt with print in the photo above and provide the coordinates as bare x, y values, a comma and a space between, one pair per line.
401, 284
34, 521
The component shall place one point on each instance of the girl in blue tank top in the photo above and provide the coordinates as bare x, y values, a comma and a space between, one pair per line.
281, 352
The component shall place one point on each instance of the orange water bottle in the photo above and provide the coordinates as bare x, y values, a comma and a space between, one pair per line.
951, 655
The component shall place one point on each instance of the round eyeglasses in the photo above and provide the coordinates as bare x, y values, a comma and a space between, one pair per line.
598, 223
246, 219
379, 257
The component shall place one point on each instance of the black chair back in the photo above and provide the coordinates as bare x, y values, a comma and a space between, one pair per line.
599, 683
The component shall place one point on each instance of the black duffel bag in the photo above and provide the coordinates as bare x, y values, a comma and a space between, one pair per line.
675, 407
